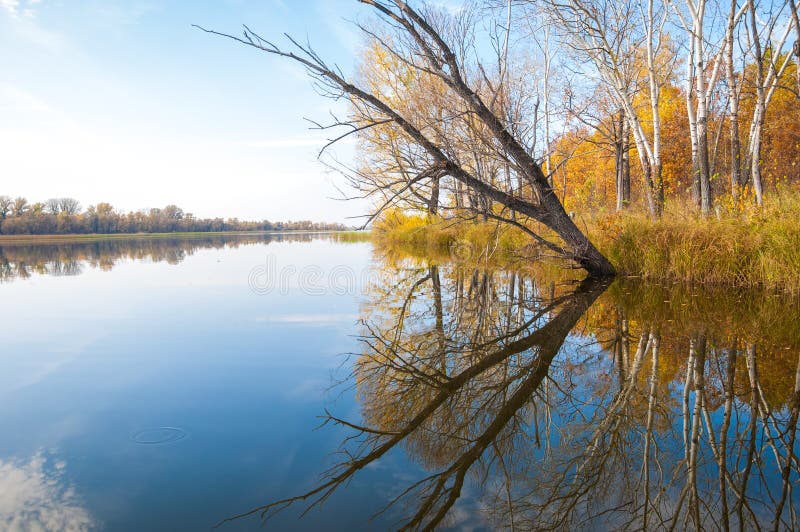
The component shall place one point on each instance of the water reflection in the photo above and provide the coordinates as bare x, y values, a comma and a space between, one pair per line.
21, 260
574, 406
525, 403
34, 496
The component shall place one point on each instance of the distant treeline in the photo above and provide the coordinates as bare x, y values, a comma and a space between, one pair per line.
65, 216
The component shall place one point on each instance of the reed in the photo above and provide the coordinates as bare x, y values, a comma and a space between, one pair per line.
739, 246
747, 249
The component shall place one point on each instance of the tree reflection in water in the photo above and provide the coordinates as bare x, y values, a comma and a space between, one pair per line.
574, 406
21, 260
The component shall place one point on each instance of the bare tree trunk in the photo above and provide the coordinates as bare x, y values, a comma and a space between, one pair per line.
733, 102
692, 114
755, 153
626, 164
698, 94
547, 62
459, 195
653, 205
622, 162
655, 97
618, 160
796, 47
760, 109
767, 81
433, 204
706, 198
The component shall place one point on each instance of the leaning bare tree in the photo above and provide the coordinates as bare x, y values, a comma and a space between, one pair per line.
420, 40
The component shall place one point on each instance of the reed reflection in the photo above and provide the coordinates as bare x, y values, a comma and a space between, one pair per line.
569, 406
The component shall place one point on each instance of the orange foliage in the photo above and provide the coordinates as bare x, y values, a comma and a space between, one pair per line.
586, 176
780, 156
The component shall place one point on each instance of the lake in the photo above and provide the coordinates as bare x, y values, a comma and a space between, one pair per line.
176, 383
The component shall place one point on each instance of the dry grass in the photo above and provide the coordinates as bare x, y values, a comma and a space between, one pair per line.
466, 241
739, 247
751, 249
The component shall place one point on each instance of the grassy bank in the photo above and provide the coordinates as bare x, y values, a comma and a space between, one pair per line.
748, 248
465, 241
760, 252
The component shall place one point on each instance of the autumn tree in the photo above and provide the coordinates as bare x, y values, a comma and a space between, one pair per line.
768, 28
705, 49
53, 205
64, 216
388, 158
6, 205
622, 42
69, 206
737, 65
20, 206
433, 43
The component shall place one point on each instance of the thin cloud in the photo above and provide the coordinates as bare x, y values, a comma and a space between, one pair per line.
10, 6
15, 8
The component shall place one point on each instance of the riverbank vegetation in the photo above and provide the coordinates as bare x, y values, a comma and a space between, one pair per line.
546, 119
676, 172
65, 216
757, 248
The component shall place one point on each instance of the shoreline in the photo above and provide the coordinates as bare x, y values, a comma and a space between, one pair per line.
762, 253
89, 237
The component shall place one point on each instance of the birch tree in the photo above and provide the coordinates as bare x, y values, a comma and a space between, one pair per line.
622, 41
733, 80
705, 50
796, 48
768, 28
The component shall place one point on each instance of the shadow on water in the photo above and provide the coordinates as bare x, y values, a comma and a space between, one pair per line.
573, 406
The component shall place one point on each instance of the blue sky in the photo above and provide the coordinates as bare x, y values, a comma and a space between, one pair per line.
125, 102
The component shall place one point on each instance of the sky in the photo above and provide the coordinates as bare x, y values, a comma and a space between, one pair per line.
123, 101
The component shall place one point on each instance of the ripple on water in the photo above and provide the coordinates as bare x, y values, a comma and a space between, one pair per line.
159, 435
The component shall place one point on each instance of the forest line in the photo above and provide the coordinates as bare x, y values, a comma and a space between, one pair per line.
65, 216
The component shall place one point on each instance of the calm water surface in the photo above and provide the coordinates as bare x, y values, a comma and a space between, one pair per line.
171, 384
